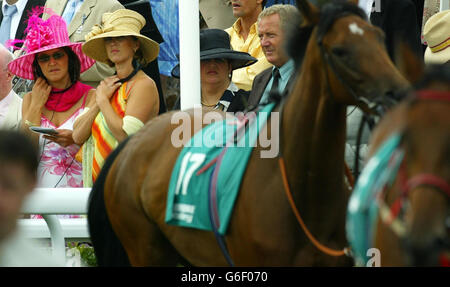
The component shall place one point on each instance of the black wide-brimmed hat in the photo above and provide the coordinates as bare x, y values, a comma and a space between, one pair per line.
215, 44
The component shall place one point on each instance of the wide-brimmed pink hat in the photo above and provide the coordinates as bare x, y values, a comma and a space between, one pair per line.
43, 35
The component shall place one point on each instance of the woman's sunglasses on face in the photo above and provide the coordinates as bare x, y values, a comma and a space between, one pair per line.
43, 58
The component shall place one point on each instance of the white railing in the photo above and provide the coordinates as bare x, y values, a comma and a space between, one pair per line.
50, 202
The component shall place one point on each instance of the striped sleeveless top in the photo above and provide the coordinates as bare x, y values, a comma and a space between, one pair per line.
104, 141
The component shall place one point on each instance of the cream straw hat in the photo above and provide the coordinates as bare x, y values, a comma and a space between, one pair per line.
122, 22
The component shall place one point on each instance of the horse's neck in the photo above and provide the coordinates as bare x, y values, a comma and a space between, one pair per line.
313, 137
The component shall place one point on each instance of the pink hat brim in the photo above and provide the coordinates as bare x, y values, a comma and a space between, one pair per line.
23, 66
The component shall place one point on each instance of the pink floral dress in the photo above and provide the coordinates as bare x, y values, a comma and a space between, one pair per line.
58, 166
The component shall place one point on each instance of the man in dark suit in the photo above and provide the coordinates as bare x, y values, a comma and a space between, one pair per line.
20, 16
273, 23
398, 20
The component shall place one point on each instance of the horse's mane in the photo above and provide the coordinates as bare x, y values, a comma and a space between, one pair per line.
333, 10
299, 36
297, 42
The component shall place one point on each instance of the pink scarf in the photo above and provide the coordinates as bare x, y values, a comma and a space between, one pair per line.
61, 100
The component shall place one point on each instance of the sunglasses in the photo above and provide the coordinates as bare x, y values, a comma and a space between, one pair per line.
45, 58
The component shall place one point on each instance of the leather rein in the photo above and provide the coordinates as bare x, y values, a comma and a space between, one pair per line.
329, 251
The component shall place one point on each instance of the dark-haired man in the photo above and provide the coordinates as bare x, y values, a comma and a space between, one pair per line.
244, 38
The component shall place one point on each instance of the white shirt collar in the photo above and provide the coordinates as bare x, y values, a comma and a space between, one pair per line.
19, 4
232, 87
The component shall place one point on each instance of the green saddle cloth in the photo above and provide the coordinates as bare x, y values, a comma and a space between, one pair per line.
187, 199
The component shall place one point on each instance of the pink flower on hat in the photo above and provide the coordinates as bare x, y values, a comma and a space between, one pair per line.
37, 38
43, 35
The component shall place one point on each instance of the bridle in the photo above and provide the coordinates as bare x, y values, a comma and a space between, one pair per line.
327, 58
390, 214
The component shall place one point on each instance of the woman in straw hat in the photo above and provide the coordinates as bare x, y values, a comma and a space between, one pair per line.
123, 102
57, 97
217, 62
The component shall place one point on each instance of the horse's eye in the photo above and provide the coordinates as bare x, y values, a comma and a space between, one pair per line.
340, 52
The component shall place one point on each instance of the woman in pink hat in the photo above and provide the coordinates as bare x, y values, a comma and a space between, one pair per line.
57, 97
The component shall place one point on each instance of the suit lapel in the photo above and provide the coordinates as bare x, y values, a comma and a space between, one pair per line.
260, 87
1, 12
24, 19
80, 16
59, 6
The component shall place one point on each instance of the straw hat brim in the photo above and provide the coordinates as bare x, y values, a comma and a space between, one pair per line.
95, 47
440, 57
23, 66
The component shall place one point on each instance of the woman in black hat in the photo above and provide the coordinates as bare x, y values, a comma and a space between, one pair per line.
217, 62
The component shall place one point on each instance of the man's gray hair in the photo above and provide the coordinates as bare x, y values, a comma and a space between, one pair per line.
289, 15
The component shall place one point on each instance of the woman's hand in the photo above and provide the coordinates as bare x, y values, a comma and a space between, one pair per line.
63, 137
40, 92
106, 89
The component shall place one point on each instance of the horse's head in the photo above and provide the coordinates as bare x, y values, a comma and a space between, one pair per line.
427, 182
417, 204
358, 68
427, 170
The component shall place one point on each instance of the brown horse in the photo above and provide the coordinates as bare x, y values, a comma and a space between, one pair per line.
345, 63
413, 226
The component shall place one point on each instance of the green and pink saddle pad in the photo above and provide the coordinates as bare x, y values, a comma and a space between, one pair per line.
208, 172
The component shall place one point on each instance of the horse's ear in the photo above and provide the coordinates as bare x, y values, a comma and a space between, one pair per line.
408, 63
309, 12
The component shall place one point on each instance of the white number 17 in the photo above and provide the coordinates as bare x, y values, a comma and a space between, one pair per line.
185, 176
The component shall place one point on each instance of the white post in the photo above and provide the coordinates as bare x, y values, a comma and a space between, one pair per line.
189, 54
445, 5
57, 237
